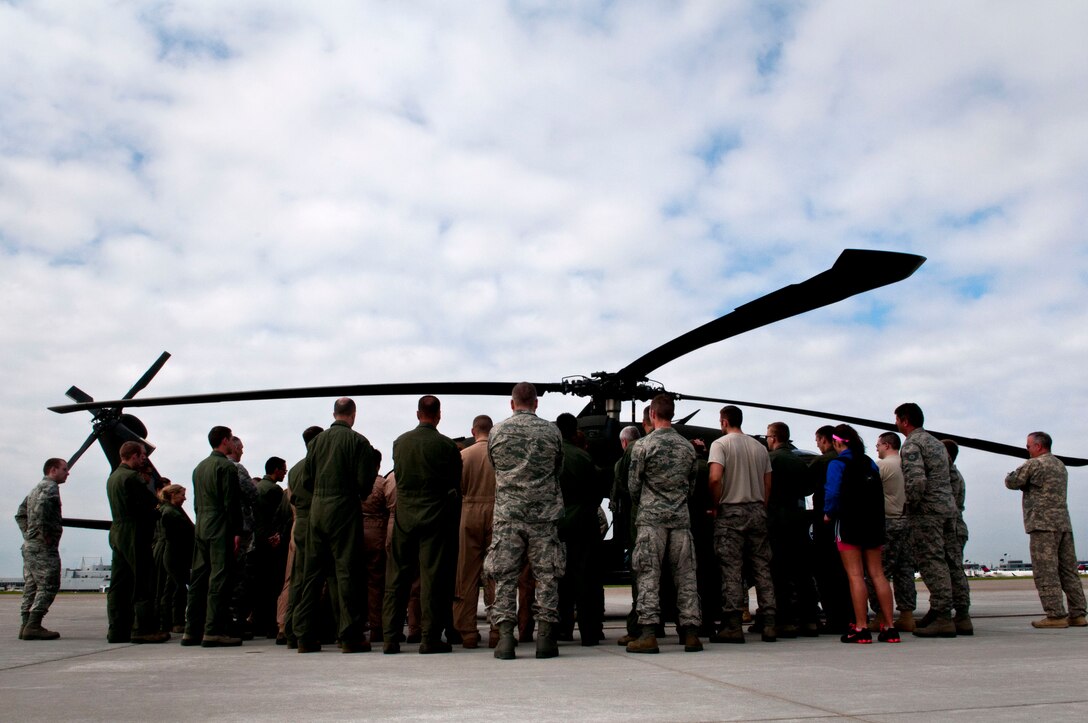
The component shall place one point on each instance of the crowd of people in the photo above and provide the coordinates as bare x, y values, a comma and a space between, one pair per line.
346, 555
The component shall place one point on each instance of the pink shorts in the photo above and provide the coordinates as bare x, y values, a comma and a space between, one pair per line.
847, 546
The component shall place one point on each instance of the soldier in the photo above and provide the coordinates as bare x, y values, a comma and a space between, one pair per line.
39, 520
427, 466
623, 520
579, 529
1043, 480
340, 470
175, 555
244, 580
130, 603
269, 559
300, 504
932, 515
897, 559
661, 479
477, 514
787, 525
961, 592
740, 484
377, 508
218, 525
527, 454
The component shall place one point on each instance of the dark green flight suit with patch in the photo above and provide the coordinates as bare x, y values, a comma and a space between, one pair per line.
133, 573
300, 500
218, 506
340, 469
427, 467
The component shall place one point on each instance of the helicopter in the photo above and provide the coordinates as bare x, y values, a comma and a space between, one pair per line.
856, 271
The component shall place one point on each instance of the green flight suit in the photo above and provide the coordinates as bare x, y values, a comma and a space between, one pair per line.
427, 467
301, 499
133, 574
340, 469
580, 530
218, 506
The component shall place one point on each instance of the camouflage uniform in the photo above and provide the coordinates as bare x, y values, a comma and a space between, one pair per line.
954, 543
1043, 481
527, 454
662, 478
898, 560
39, 520
932, 512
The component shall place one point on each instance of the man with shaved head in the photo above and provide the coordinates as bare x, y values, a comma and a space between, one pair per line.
477, 519
527, 454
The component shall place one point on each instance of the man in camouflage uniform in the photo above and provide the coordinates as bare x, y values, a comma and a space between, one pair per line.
661, 479
39, 520
527, 454
218, 523
1043, 480
623, 520
961, 591
740, 484
932, 513
340, 470
427, 468
898, 561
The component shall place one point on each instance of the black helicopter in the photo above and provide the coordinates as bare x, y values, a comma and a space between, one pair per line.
854, 272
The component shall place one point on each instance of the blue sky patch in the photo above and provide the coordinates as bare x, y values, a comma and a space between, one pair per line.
974, 287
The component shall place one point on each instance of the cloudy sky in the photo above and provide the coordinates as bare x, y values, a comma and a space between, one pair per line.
294, 193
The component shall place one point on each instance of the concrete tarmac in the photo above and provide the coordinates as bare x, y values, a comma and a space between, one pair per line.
1007, 671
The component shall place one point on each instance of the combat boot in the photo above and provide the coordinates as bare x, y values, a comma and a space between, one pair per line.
905, 622
769, 634
941, 627
1078, 621
1052, 623
492, 638
644, 643
22, 625
33, 629
504, 650
731, 631
545, 641
963, 624
690, 640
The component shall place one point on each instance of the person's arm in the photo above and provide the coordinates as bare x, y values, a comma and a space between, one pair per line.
634, 475
914, 473
767, 477
1019, 478
716, 475
831, 488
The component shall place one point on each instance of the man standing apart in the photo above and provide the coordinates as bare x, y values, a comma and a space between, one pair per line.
897, 557
527, 453
932, 513
340, 470
1043, 480
661, 479
132, 575
477, 514
39, 520
740, 484
427, 468
218, 507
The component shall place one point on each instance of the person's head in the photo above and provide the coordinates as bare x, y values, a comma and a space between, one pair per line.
172, 495
219, 438
778, 435
952, 448
647, 423
55, 469
846, 437
276, 468
309, 434
887, 445
133, 454
662, 409
823, 438
481, 426
236, 449
523, 397
568, 426
627, 435
731, 417
343, 410
908, 417
429, 410
1039, 443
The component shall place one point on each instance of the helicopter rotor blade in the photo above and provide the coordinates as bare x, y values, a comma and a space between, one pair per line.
984, 445
91, 438
350, 390
86, 524
854, 272
148, 376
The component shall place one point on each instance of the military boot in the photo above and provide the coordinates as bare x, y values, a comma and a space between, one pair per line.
1078, 621
644, 643
1043, 623
22, 625
941, 627
963, 624
545, 640
690, 640
33, 629
905, 622
504, 650
731, 631
769, 633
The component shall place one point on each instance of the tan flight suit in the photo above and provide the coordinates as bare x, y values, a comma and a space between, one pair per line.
477, 510
376, 517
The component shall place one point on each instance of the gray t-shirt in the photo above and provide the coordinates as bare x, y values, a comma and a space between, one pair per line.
891, 476
745, 461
